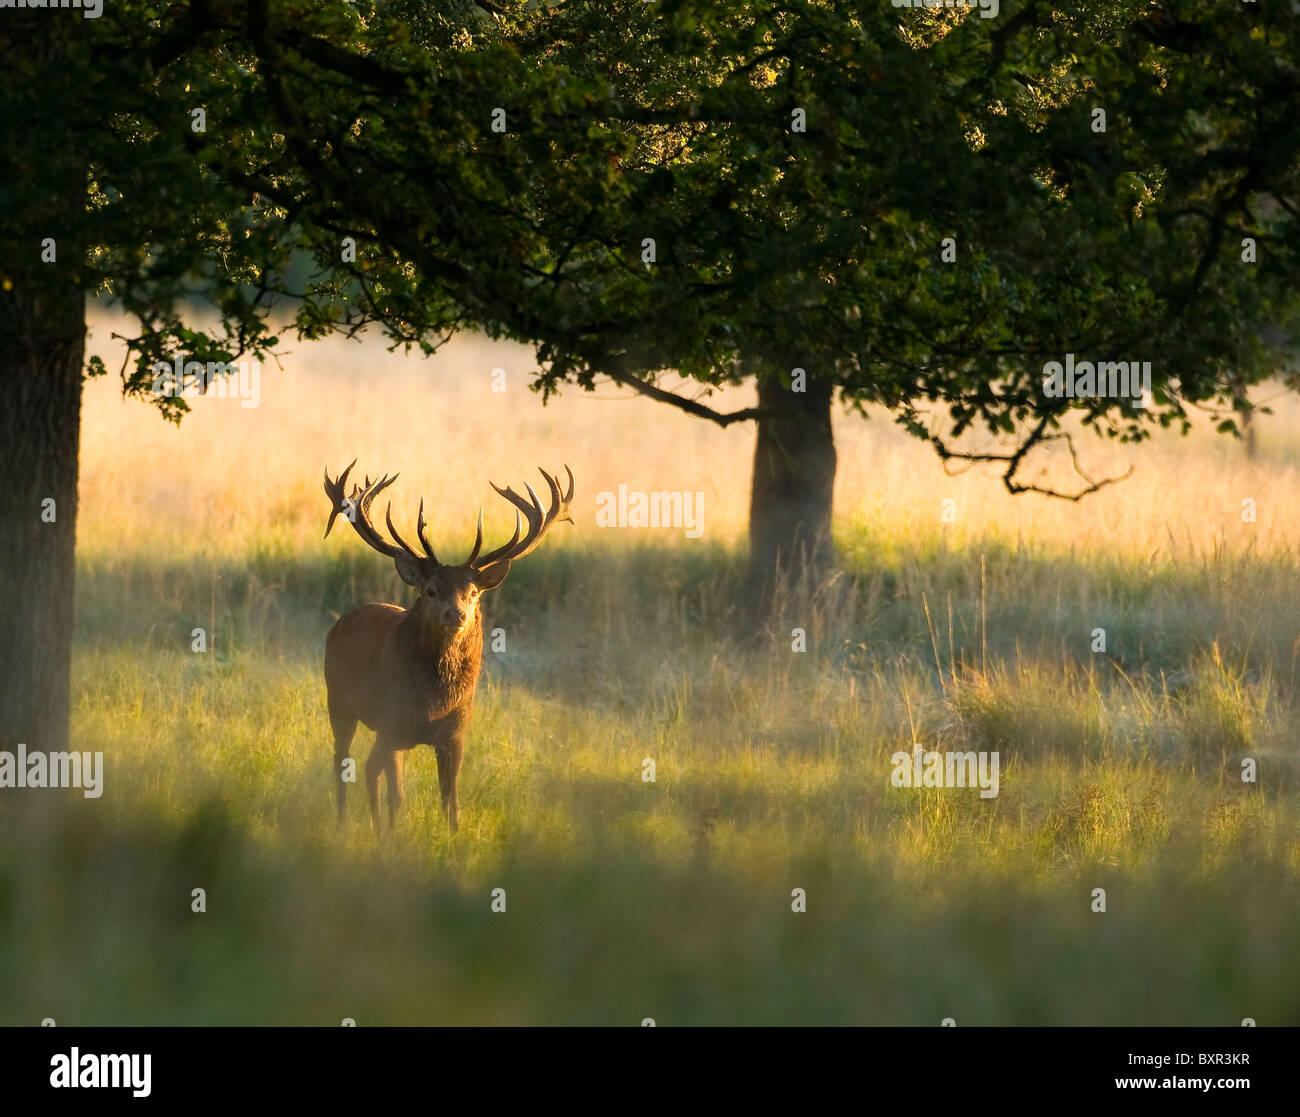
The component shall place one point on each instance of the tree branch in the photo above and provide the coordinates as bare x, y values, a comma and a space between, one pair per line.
690, 406
1015, 459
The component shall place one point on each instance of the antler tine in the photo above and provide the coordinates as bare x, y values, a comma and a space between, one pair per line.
388, 519
568, 497
371, 490
364, 525
478, 539
334, 490
532, 512
539, 519
419, 531
557, 500
343, 477
504, 550
361, 498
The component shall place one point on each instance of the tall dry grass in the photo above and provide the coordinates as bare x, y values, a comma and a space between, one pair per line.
670, 899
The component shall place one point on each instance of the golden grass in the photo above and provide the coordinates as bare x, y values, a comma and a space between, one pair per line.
230, 473
670, 899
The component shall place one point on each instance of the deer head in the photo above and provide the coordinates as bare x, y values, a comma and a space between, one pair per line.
447, 605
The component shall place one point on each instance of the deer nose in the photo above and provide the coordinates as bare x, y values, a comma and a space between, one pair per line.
454, 617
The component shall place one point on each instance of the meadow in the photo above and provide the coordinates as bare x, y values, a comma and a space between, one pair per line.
670, 900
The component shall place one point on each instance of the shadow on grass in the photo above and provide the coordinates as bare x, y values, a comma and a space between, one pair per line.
570, 613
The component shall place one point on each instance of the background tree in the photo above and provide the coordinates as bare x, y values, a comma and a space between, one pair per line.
1120, 184
911, 209
110, 131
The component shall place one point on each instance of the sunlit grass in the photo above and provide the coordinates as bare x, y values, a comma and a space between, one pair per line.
670, 899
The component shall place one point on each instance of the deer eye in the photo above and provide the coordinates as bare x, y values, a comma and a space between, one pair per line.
429, 592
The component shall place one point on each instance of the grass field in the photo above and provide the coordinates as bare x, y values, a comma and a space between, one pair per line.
670, 900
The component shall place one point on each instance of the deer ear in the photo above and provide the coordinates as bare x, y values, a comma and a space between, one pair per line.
408, 569
493, 576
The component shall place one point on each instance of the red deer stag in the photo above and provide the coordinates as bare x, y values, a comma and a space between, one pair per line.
410, 674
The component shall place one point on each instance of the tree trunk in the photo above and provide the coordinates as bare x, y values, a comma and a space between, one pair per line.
42, 342
790, 505
40, 427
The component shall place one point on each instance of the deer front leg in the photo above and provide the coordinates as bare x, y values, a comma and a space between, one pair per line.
449, 751
376, 763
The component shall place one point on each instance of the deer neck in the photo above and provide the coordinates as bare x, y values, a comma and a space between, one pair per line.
444, 667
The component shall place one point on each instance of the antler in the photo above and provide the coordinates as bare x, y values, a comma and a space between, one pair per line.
539, 522
539, 519
361, 498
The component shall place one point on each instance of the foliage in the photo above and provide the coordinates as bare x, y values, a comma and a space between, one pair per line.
774, 248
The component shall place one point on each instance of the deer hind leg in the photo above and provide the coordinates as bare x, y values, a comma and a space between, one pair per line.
396, 793
345, 727
376, 765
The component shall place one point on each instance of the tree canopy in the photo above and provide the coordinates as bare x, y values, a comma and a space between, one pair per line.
919, 208
714, 188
